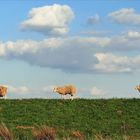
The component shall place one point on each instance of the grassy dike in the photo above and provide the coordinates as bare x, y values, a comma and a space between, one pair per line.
94, 119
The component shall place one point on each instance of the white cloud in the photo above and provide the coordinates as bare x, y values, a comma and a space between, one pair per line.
133, 34
110, 63
125, 16
97, 91
125, 42
95, 41
95, 32
73, 54
78, 54
93, 20
18, 90
49, 20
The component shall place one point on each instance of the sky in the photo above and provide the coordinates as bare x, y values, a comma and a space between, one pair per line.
93, 45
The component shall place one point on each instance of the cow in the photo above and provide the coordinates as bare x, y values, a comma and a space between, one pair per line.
3, 91
137, 88
64, 90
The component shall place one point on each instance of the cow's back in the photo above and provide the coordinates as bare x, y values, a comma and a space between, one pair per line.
72, 88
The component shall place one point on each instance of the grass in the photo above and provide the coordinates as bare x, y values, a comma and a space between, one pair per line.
44, 133
5, 133
100, 119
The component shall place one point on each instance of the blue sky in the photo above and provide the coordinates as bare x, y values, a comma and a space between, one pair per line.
91, 44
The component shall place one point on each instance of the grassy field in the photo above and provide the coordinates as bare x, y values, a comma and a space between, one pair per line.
112, 119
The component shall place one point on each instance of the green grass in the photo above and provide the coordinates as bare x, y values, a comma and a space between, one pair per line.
114, 118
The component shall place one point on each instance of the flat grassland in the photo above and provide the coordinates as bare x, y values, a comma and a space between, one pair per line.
93, 119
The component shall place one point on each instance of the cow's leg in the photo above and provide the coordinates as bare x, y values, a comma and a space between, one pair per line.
62, 96
65, 96
71, 97
1, 97
5, 97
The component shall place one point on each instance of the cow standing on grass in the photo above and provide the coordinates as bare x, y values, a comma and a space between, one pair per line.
137, 88
3, 91
69, 89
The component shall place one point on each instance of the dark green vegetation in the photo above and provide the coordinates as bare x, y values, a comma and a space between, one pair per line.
113, 118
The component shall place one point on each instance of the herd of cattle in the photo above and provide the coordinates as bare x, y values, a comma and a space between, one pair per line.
64, 90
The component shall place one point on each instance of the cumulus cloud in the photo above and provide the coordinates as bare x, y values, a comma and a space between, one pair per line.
133, 35
127, 41
95, 32
73, 54
125, 16
93, 20
49, 20
78, 54
97, 91
92, 92
110, 63
18, 90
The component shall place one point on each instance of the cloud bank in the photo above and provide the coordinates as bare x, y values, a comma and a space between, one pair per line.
74, 54
78, 54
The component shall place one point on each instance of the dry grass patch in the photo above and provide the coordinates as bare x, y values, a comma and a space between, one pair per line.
44, 133
24, 127
5, 133
78, 135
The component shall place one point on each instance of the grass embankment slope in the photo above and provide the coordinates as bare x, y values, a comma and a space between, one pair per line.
111, 118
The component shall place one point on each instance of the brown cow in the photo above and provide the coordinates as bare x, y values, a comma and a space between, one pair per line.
69, 89
137, 88
3, 91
